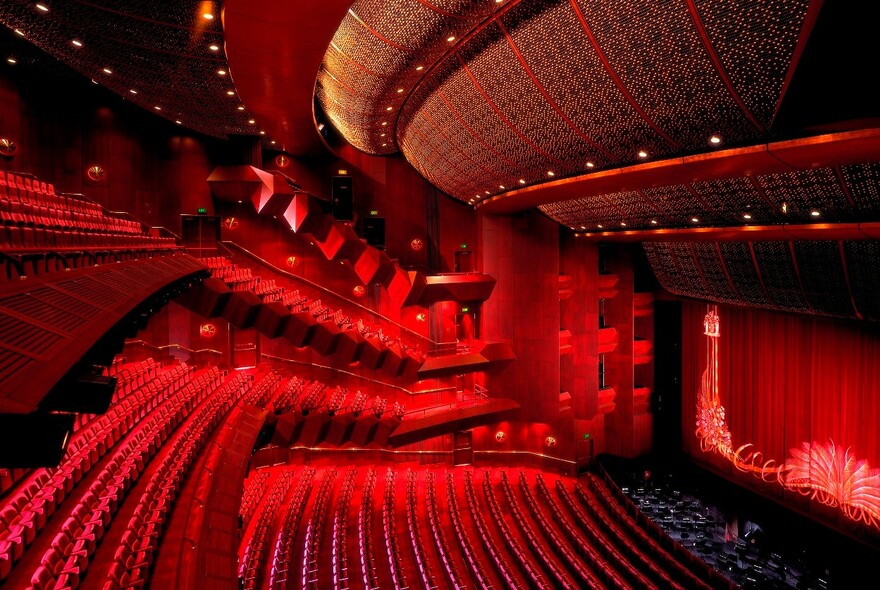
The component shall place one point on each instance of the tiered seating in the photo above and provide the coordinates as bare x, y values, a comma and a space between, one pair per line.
312, 546
365, 532
339, 544
144, 530
478, 570
34, 216
415, 536
389, 528
456, 578
533, 574
282, 550
252, 558
253, 493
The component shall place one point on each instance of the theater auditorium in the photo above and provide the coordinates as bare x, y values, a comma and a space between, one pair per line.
428, 294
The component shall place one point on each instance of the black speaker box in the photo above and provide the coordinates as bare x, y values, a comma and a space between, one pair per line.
374, 231
342, 197
34, 440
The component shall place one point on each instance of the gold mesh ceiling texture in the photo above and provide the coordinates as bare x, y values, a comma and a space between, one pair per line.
157, 55
530, 91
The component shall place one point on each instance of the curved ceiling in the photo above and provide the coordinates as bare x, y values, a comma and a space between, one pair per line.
537, 91
165, 57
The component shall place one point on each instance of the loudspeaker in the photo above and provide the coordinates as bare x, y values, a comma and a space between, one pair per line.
342, 198
87, 394
34, 440
374, 231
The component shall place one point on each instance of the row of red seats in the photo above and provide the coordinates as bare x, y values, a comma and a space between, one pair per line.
312, 544
132, 560
38, 238
36, 214
365, 532
253, 493
415, 534
64, 564
476, 566
27, 511
593, 547
252, 558
455, 577
534, 577
282, 553
339, 542
587, 577
128, 379
389, 528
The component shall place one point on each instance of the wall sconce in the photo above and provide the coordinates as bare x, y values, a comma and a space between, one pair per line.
208, 330
500, 436
8, 148
96, 173
416, 244
359, 291
550, 441
291, 261
421, 316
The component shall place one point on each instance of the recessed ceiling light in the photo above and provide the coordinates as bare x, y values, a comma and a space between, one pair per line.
501, 186
715, 140
158, 108
42, 7
213, 47
550, 173
643, 154
133, 91
599, 226
19, 32
76, 42
230, 92
399, 90
11, 60
420, 68
241, 108
384, 123
695, 220
747, 216
381, 135
272, 142
208, 16
251, 121
389, 108
487, 192
451, 38
522, 180
320, 127
107, 71
221, 72
622, 224
815, 213
653, 222
583, 227
262, 133
384, 144
590, 165
178, 121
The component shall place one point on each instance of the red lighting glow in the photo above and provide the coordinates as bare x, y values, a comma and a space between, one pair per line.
822, 471
359, 291
291, 261
208, 330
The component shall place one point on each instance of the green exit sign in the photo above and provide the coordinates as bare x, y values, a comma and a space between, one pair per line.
586, 436
464, 309
463, 245
374, 212
203, 211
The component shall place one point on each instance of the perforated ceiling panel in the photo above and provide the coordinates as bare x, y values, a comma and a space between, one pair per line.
155, 54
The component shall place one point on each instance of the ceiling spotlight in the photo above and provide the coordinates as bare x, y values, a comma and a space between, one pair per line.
384, 144
384, 123
590, 165
262, 133
178, 121
815, 213
451, 38
784, 207
251, 121
653, 222
241, 107
42, 7
107, 71
158, 108
715, 140
382, 135
420, 68
214, 47
389, 108
221, 72
643, 154
272, 142
583, 227
747, 216
11, 60
208, 16
599, 226
622, 224
19, 32
76, 42
487, 192
399, 90
551, 173
522, 180
320, 127
230, 92
133, 91
695, 220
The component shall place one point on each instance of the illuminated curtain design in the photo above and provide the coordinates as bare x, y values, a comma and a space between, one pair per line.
821, 384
